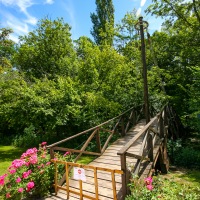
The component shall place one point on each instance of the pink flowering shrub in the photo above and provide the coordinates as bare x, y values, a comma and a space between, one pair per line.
30, 176
141, 189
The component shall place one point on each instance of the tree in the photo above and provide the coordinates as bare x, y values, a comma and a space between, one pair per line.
103, 22
177, 50
47, 51
6, 49
125, 32
174, 10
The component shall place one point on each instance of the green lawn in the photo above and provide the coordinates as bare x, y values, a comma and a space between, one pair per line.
10, 153
7, 155
85, 159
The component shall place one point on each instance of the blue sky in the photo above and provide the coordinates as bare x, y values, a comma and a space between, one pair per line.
23, 15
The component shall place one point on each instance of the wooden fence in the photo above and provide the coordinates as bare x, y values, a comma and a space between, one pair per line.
117, 125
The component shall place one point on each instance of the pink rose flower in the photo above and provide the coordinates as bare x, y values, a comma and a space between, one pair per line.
32, 151
148, 180
67, 153
43, 143
26, 174
33, 159
18, 180
30, 185
12, 171
24, 155
149, 187
2, 179
20, 190
48, 163
8, 195
18, 163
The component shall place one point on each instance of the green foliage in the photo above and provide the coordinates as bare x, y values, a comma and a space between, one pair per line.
182, 155
163, 188
47, 51
125, 34
177, 51
32, 175
6, 49
103, 22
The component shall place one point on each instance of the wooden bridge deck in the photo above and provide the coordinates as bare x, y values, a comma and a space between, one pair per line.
109, 159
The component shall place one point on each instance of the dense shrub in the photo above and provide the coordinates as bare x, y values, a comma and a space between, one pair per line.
161, 188
31, 176
183, 155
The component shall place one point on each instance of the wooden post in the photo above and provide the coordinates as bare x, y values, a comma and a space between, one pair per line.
98, 141
165, 156
52, 153
134, 117
124, 181
123, 129
150, 146
67, 178
114, 185
96, 183
56, 178
81, 189
161, 126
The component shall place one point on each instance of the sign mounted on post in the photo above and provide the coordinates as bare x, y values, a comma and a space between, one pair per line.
79, 174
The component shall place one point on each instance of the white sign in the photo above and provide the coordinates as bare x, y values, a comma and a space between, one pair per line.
79, 174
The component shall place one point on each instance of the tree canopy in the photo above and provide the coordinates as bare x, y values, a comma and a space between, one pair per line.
53, 87
103, 22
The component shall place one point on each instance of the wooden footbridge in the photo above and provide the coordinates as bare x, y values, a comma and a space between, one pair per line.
138, 149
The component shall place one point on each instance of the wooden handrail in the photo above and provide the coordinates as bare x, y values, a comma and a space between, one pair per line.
88, 130
76, 151
135, 138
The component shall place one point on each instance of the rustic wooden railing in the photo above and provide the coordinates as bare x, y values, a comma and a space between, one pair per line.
117, 125
94, 194
154, 146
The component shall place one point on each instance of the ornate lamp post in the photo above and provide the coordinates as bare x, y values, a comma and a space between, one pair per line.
141, 25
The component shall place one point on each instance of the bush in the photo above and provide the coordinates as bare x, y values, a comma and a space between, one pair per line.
30, 176
182, 155
160, 188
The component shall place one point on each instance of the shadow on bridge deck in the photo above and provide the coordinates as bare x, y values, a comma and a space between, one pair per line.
109, 159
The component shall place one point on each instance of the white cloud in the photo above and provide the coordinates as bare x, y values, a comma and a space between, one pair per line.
14, 38
68, 6
142, 2
139, 10
22, 4
18, 28
30, 19
49, 2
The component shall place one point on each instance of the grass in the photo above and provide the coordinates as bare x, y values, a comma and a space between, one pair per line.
182, 175
10, 153
178, 183
85, 159
7, 155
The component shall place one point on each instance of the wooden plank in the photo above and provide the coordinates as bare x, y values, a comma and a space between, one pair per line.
102, 182
106, 161
104, 165
89, 189
103, 175
134, 139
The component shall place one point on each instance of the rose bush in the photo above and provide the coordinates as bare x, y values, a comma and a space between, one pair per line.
159, 187
30, 176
